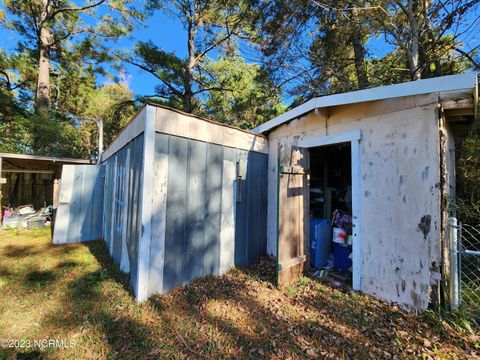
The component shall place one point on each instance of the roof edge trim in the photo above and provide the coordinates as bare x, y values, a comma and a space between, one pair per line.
464, 81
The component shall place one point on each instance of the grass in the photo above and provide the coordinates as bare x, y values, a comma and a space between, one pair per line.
74, 292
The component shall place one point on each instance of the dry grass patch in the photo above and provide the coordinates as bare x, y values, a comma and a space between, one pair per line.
75, 292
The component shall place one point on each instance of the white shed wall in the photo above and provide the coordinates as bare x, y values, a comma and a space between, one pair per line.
400, 195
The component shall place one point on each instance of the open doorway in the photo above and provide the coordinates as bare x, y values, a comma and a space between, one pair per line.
331, 235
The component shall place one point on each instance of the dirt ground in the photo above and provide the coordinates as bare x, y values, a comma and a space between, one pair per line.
74, 293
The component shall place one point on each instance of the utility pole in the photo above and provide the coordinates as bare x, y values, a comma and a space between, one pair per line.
100, 137
99, 122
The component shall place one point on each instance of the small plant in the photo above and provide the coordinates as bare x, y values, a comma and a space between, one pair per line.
290, 291
303, 281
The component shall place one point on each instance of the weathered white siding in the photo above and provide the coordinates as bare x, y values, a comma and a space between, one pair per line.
400, 195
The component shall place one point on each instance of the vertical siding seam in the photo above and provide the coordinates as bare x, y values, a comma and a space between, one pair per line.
247, 212
205, 208
146, 177
186, 229
259, 182
219, 242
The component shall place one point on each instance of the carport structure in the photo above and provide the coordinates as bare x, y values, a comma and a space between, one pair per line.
30, 179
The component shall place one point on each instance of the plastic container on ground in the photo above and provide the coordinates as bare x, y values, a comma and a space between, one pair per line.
36, 222
14, 222
341, 257
320, 246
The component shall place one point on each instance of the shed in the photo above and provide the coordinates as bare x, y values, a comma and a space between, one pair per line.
184, 197
391, 150
29, 179
181, 197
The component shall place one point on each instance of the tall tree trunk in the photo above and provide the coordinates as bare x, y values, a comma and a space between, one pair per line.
414, 38
42, 95
43, 80
359, 51
430, 44
360, 64
188, 86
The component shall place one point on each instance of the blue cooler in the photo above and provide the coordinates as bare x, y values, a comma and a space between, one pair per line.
341, 255
319, 242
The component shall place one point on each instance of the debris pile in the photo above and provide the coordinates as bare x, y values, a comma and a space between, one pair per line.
26, 217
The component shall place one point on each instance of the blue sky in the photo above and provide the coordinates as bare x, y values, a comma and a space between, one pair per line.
168, 33
163, 30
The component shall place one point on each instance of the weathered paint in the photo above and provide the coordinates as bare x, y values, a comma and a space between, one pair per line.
78, 215
451, 86
176, 123
144, 211
198, 223
131, 131
177, 202
400, 140
122, 206
159, 214
447, 186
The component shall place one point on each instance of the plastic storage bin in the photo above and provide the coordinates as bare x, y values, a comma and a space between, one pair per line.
320, 245
341, 260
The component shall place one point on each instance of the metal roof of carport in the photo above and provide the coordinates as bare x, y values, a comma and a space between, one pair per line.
34, 163
462, 83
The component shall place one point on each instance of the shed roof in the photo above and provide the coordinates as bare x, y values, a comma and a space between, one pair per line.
451, 85
32, 163
137, 125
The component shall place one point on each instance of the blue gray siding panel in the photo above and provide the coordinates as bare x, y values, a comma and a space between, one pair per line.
133, 231
175, 233
241, 215
213, 209
194, 209
122, 192
195, 236
81, 203
157, 241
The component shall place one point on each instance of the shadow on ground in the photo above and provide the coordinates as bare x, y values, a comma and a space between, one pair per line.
238, 315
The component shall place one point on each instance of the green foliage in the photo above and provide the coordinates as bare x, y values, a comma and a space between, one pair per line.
113, 104
210, 25
467, 204
323, 47
247, 99
72, 37
16, 133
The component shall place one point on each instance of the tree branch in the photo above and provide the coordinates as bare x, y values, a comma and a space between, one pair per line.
72, 9
468, 56
152, 71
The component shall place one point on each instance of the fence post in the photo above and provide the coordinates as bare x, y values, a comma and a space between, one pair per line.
453, 263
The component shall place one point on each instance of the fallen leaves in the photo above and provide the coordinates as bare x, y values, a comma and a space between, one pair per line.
237, 315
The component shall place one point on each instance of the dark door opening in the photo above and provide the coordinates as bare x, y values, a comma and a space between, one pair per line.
331, 212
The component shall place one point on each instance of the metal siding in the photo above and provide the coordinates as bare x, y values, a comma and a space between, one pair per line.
76, 204
88, 181
241, 216
263, 199
213, 208
159, 214
81, 205
119, 203
97, 203
176, 217
196, 197
107, 203
227, 222
253, 192
122, 191
137, 165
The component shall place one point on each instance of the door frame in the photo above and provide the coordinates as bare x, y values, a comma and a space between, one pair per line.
354, 138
